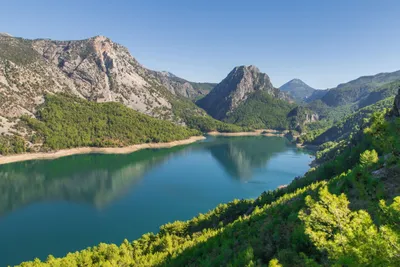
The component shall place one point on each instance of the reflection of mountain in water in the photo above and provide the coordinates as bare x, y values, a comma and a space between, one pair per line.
100, 179
240, 155
94, 179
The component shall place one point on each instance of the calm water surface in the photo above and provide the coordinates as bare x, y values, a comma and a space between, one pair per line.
68, 204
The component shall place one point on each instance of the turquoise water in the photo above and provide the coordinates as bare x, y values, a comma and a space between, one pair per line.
67, 204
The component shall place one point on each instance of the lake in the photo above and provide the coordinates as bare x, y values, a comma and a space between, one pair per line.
67, 204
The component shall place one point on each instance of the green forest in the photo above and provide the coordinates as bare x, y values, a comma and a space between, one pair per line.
65, 121
261, 111
344, 212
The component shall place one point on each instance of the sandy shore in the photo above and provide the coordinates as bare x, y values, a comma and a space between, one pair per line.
264, 132
97, 150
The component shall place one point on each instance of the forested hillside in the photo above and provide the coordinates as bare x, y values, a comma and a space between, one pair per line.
344, 212
65, 121
261, 110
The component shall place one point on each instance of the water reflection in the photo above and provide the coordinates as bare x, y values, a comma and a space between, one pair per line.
100, 179
240, 156
94, 179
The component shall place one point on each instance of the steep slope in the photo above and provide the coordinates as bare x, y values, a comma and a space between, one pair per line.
66, 121
330, 115
351, 124
344, 212
260, 111
300, 91
240, 83
355, 90
25, 77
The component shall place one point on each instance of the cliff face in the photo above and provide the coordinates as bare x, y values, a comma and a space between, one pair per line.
235, 89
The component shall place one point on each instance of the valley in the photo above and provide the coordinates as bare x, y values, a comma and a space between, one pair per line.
88, 107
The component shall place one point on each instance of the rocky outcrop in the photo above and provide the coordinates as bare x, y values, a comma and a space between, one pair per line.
235, 89
396, 106
300, 116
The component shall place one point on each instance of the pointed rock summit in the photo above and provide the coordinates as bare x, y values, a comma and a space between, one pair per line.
235, 88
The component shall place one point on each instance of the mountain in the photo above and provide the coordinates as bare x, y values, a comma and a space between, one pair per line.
356, 90
299, 90
240, 83
182, 87
96, 69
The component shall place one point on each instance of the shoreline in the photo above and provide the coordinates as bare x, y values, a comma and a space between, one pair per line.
95, 150
263, 132
308, 147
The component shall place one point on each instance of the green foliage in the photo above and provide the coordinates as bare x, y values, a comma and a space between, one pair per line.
369, 157
349, 238
12, 144
190, 114
274, 263
65, 121
261, 110
350, 125
208, 124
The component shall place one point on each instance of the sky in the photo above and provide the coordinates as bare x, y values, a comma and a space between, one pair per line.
324, 43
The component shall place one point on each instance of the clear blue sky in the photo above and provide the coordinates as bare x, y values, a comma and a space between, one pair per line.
321, 42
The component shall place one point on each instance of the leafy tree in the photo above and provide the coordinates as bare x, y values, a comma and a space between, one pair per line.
349, 238
369, 157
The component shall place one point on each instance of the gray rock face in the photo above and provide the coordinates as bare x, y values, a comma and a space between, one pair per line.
396, 107
182, 87
235, 88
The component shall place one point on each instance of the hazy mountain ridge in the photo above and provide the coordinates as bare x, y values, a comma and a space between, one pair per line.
355, 90
300, 91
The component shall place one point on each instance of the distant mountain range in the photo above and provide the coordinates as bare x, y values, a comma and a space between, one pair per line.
101, 70
301, 92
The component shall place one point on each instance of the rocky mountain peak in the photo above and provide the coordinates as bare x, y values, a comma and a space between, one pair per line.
235, 88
